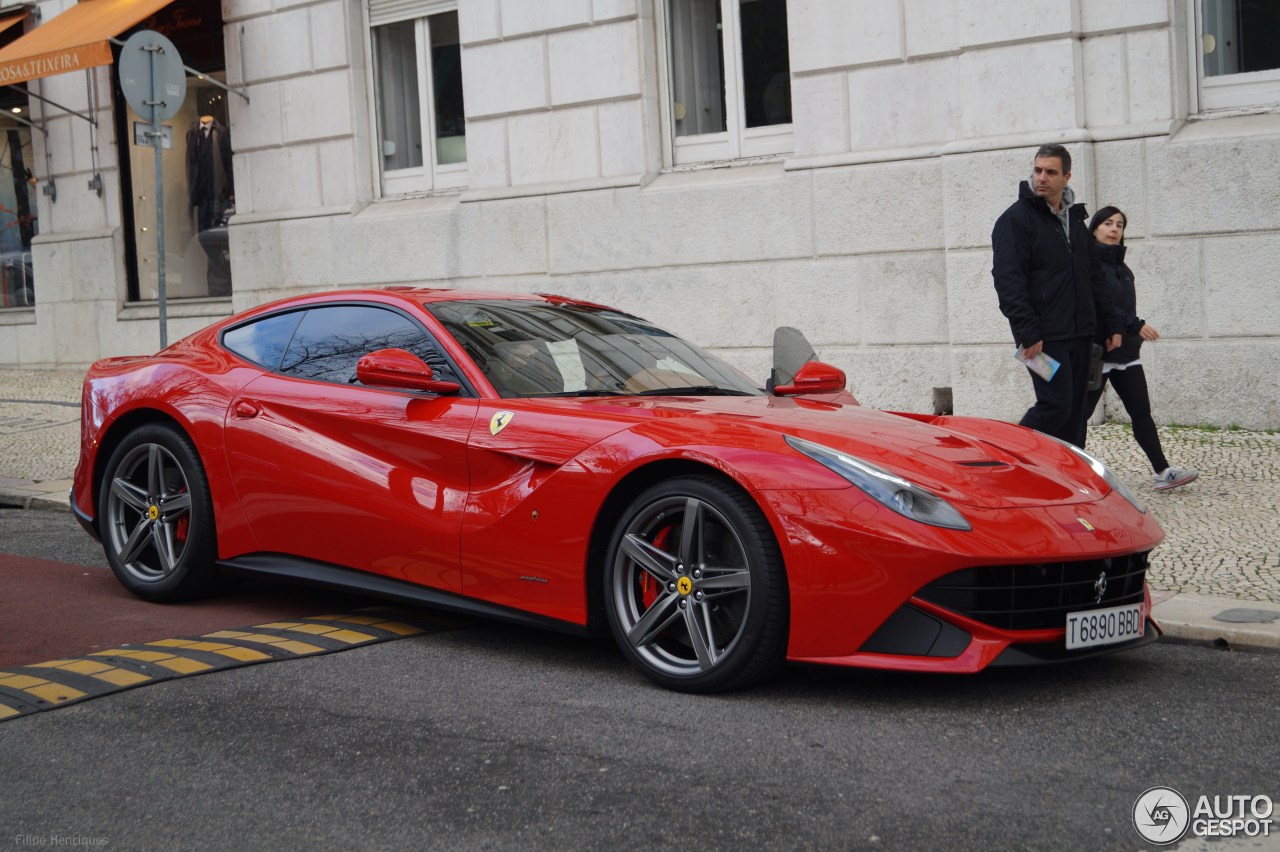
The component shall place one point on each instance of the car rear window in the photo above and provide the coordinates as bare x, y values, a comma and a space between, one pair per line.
263, 342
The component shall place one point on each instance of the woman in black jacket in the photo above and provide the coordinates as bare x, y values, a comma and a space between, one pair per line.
1122, 366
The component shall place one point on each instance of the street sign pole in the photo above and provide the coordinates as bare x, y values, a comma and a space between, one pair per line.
157, 135
154, 82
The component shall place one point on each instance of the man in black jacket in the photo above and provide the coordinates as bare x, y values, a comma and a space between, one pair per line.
1053, 292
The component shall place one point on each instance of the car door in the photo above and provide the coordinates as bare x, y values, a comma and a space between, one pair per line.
368, 478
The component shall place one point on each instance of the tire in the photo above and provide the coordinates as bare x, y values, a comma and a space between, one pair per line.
156, 517
695, 587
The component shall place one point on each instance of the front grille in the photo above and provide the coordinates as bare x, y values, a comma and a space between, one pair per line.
1038, 595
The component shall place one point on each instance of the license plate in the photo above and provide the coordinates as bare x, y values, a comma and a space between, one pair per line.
1104, 626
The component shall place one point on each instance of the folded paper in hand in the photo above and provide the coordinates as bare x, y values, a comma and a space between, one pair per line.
1042, 365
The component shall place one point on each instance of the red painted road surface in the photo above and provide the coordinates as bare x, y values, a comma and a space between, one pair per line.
52, 610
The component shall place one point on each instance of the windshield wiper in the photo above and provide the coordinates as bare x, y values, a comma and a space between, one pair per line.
587, 392
696, 390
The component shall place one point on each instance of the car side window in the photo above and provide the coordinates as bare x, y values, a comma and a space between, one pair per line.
330, 340
263, 342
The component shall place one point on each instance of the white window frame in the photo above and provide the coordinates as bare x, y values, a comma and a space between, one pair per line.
1228, 91
431, 175
738, 142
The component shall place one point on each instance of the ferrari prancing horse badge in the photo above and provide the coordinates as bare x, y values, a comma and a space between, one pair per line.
499, 421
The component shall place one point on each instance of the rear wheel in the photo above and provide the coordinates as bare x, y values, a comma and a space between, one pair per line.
695, 587
156, 517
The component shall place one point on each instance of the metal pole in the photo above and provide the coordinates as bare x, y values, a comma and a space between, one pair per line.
157, 139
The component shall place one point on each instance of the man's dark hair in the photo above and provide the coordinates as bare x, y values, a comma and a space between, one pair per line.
1063, 155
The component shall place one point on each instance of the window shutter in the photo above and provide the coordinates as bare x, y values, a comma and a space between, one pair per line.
390, 11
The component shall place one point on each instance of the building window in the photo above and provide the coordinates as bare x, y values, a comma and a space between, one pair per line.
1239, 53
729, 73
417, 67
17, 215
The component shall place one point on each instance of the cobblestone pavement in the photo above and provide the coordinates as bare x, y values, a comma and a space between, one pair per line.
1223, 530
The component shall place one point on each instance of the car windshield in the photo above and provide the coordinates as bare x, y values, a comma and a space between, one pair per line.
558, 349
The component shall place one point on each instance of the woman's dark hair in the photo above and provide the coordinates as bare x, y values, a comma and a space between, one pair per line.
1103, 215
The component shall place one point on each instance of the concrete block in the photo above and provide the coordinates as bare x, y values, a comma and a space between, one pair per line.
1242, 297
1171, 294
820, 112
282, 179
503, 77
720, 216
329, 35
596, 63
931, 27
984, 22
515, 236
479, 20
893, 378
1188, 382
883, 115
338, 165
553, 146
973, 309
487, 153
1214, 185
878, 207
904, 298
316, 107
1109, 16
977, 188
622, 138
1106, 81
822, 298
607, 10
520, 17
263, 122
994, 97
270, 46
1151, 73
987, 382
839, 33
1119, 180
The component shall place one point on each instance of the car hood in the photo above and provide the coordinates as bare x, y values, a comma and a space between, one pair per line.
966, 461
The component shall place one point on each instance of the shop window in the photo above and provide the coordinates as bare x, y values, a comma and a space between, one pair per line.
1239, 50
417, 67
729, 73
17, 212
199, 179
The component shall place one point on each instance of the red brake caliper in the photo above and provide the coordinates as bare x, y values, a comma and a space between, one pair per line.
650, 588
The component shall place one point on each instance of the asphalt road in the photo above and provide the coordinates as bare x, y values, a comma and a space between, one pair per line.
495, 737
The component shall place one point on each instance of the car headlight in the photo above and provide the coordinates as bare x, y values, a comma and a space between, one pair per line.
1107, 476
890, 490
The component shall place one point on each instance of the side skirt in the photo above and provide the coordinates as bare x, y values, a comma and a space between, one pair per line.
280, 567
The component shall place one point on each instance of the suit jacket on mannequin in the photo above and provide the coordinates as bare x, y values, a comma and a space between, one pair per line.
209, 176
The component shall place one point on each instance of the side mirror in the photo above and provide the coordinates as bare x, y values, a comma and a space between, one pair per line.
813, 377
399, 368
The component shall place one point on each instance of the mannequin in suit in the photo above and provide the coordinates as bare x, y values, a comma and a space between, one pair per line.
210, 186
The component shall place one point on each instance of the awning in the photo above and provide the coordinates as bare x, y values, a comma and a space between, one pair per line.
11, 21
76, 39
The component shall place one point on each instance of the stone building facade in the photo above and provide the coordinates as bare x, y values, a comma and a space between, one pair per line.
720, 167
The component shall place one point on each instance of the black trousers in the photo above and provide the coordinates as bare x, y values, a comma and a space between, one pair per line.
1131, 386
1060, 403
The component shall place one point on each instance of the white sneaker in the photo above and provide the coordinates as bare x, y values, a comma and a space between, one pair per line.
1172, 477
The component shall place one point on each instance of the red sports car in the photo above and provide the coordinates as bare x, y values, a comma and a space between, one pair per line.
564, 464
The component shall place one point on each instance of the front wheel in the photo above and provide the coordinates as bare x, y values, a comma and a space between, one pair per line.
156, 516
695, 587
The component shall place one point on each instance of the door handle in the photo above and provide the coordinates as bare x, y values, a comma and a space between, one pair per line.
244, 410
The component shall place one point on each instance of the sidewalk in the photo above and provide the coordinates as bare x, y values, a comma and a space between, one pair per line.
1215, 579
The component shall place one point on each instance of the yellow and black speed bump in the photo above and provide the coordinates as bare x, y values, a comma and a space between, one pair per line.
57, 683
